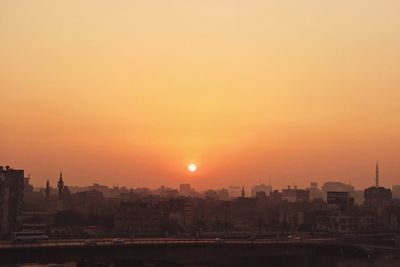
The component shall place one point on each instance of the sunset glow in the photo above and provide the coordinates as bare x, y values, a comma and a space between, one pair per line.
129, 92
192, 167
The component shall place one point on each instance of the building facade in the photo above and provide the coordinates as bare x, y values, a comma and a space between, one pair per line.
11, 199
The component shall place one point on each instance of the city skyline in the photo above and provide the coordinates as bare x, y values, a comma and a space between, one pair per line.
186, 133
247, 187
133, 92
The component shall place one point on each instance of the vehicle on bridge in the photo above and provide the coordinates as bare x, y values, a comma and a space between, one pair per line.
29, 236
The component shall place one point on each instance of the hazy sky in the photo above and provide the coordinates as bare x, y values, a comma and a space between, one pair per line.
130, 92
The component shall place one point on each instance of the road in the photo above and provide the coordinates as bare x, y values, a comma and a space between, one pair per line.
155, 241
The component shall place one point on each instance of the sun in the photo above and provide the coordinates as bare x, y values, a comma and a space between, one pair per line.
192, 167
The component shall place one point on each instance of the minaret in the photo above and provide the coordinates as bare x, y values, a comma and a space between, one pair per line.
377, 175
47, 190
60, 184
243, 194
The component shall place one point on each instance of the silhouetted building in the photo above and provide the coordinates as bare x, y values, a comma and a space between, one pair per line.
167, 192
340, 199
295, 195
336, 187
28, 188
396, 191
267, 189
336, 222
185, 190
211, 194
87, 202
358, 196
11, 198
137, 217
260, 195
377, 197
234, 191
177, 214
64, 194
223, 194
47, 190
276, 196
60, 185
302, 195
315, 192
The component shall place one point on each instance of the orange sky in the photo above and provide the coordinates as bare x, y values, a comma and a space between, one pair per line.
130, 92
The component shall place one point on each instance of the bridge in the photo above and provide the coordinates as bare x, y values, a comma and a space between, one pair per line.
213, 252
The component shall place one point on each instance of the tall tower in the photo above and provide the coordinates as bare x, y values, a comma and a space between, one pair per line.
377, 175
243, 193
47, 190
60, 184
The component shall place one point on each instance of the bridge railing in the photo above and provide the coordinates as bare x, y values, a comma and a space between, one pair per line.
162, 241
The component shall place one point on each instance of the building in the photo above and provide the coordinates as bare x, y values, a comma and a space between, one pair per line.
64, 194
377, 197
223, 194
275, 196
234, 191
47, 190
137, 217
289, 194
341, 200
336, 187
336, 223
295, 195
315, 192
28, 188
179, 211
396, 191
358, 196
166, 192
91, 201
291, 219
267, 189
11, 198
211, 194
185, 190
36, 221
260, 195
60, 185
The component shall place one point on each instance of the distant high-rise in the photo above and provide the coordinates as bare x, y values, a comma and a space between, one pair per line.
11, 198
336, 187
60, 184
47, 192
376, 197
